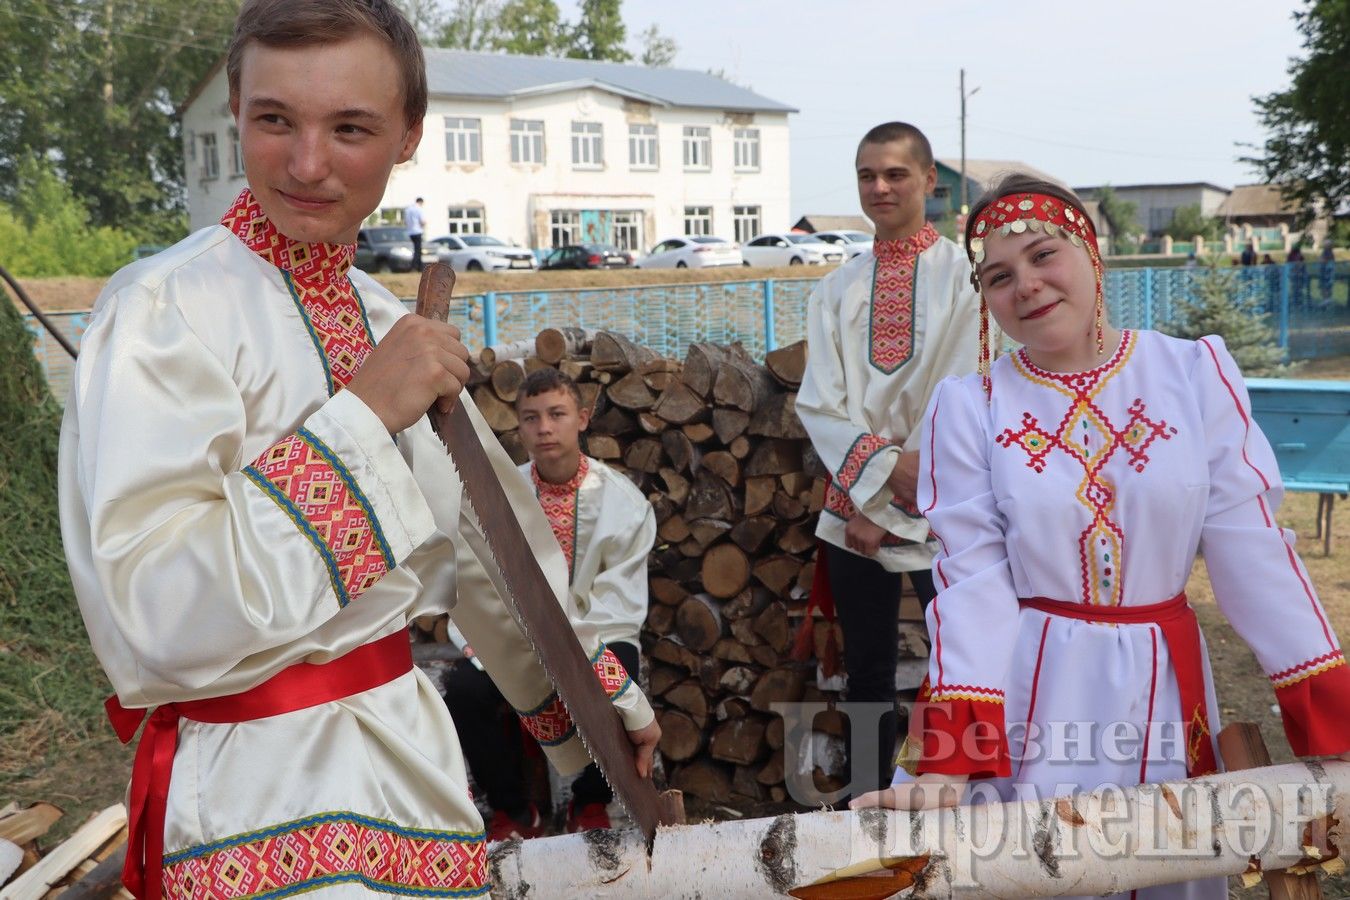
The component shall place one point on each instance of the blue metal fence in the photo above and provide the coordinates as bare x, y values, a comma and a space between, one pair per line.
1307, 304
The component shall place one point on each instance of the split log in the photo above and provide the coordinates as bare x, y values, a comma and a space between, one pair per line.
514, 447
725, 571
797, 538
662, 678
706, 532
772, 625
698, 432
644, 455
1074, 845
710, 498
710, 672
631, 393
615, 353
499, 415
52, 868
669, 650
739, 447
729, 424
603, 447
744, 784
701, 778
534, 364
742, 384
777, 573
739, 741
681, 736
679, 405
759, 493
614, 422
579, 370
701, 364
732, 651
650, 423
787, 364
666, 592
677, 486
506, 378
684, 456
490, 356
751, 534
553, 344
739, 680
102, 881
775, 457
592, 398
673, 530
787, 508
783, 685
23, 826
698, 622
743, 630
660, 619
776, 417
688, 695
724, 466
771, 772
747, 604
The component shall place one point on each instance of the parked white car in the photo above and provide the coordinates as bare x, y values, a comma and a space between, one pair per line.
852, 242
696, 252
481, 253
790, 249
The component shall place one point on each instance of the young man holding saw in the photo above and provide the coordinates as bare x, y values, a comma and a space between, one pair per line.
254, 507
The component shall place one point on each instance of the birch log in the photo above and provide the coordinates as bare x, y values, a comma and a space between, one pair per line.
1108, 841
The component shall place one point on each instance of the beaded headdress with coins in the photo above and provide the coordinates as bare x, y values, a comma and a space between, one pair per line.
1020, 212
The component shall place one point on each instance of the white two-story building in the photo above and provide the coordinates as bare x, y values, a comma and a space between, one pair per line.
545, 152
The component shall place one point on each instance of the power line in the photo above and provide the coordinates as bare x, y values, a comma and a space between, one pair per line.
99, 29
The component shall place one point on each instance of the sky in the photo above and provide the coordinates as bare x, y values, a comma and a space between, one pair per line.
1093, 92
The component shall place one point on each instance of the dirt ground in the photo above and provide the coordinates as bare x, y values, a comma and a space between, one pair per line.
65, 294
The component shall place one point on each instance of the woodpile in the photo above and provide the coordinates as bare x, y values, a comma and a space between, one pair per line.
87, 865
714, 442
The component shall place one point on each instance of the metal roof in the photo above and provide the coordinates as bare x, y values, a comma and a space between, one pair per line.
500, 76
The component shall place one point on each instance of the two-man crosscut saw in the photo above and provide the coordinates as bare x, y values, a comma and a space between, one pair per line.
534, 602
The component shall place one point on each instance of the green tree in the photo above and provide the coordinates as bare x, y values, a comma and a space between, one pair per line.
94, 86
426, 16
601, 33
1217, 307
46, 231
1188, 221
657, 49
1124, 220
531, 28
472, 25
1307, 148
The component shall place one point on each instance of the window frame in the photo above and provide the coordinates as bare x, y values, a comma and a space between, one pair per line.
640, 137
465, 220
210, 156
697, 143
523, 137
740, 216
465, 139
694, 216
589, 135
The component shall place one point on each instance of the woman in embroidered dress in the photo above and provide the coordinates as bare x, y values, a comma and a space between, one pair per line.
1071, 488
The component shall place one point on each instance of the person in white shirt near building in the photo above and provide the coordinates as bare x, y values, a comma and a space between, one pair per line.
415, 221
883, 329
605, 527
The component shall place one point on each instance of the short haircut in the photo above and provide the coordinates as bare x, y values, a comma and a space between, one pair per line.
304, 23
1022, 183
542, 381
887, 132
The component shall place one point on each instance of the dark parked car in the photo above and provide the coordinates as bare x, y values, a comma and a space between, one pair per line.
588, 256
383, 249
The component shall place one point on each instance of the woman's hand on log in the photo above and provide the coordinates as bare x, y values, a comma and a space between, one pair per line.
928, 791
644, 745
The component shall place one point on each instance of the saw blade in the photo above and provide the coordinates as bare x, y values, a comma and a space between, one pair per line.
531, 598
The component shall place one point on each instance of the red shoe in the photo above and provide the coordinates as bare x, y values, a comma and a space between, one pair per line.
504, 828
591, 817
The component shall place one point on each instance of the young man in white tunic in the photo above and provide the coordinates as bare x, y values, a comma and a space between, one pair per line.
1070, 490
883, 330
605, 527
254, 507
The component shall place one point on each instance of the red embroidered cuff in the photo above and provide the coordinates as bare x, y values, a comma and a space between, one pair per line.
1314, 702
550, 723
963, 733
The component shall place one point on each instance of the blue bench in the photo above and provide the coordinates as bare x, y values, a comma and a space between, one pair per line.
1308, 425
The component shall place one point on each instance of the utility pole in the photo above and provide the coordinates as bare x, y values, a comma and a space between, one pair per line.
965, 200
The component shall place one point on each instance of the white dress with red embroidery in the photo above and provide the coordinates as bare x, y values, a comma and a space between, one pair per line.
606, 528
228, 511
1100, 488
882, 331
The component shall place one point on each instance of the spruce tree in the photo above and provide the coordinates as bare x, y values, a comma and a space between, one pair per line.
1216, 306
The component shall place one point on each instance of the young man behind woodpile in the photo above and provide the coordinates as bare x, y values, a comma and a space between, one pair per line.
254, 507
605, 528
882, 330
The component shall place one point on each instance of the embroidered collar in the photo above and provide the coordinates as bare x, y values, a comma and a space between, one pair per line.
1099, 373
543, 487
911, 246
309, 262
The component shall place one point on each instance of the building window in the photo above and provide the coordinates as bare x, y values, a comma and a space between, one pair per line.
564, 227
587, 145
697, 220
210, 156
190, 140
527, 141
642, 146
628, 230
462, 140
697, 147
465, 220
747, 149
236, 154
747, 223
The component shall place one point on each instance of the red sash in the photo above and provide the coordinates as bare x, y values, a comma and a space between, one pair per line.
297, 687
1181, 630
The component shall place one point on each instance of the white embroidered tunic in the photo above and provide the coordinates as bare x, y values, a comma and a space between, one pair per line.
606, 528
882, 331
228, 510
1099, 488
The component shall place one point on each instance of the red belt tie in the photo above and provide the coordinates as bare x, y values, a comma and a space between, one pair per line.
1181, 631
297, 687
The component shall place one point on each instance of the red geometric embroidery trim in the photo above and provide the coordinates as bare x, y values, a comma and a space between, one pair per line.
330, 849
892, 321
559, 502
301, 473
550, 723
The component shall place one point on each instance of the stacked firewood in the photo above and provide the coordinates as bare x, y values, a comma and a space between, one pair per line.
714, 441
